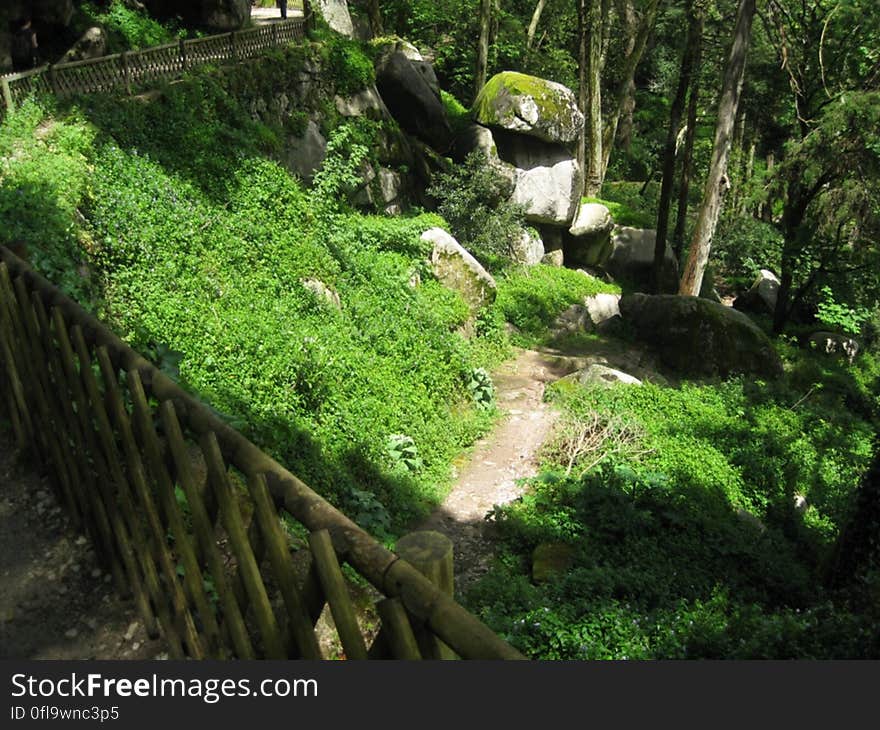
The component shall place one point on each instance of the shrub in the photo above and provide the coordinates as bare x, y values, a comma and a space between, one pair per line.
127, 28
473, 200
531, 298
352, 68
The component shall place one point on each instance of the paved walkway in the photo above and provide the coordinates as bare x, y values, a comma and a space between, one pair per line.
265, 16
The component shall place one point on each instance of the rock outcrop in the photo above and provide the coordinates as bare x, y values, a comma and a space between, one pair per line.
409, 89
525, 126
695, 336
306, 154
528, 249
604, 376
91, 44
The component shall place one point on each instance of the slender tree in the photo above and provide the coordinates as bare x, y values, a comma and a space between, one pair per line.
375, 14
483, 45
533, 24
687, 155
670, 149
716, 181
590, 157
627, 81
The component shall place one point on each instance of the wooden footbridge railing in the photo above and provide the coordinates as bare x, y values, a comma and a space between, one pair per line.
225, 553
140, 69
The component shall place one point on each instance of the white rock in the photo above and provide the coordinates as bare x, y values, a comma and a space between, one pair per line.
601, 375
336, 14
529, 249
591, 219
457, 269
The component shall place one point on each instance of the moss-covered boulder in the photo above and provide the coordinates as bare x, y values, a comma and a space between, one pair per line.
529, 105
696, 336
456, 269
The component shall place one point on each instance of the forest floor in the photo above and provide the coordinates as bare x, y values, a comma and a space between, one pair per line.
493, 472
56, 602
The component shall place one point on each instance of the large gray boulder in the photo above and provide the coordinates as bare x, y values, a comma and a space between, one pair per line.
546, 180
335, 12
632, 259
588, 242
412, 96
306, 154
224, 15
696, 336
761, 297
456, 269
528, 249
365, 103
529, 105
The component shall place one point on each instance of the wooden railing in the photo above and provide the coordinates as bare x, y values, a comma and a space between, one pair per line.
225, 553
140, 69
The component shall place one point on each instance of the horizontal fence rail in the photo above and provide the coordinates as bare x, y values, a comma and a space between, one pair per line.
139, 69
225, 553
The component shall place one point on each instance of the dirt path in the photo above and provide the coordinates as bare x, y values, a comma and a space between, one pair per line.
489, 475
508, 454
55, 601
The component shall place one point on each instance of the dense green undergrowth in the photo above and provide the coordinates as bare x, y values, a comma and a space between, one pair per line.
683, 539
169, 219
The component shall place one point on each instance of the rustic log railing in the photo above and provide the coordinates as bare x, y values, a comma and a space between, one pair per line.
139, 69
225, 553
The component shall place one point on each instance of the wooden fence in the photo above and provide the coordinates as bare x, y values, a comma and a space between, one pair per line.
139, 69
225, 553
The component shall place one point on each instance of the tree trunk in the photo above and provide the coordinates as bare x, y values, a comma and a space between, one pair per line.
627, 81
533, 25
483, 45
590, 24
716, 182
375, 13
669, 152
687, 157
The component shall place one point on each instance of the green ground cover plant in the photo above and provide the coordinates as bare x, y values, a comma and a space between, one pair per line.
168, 217
684, 540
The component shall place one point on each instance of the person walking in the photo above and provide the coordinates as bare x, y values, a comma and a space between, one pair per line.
24, 46
283, 5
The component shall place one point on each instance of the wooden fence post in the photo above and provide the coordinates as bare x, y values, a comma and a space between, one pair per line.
53, 79
182, 52
232, 45
126, 72
430, 553
7, 94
